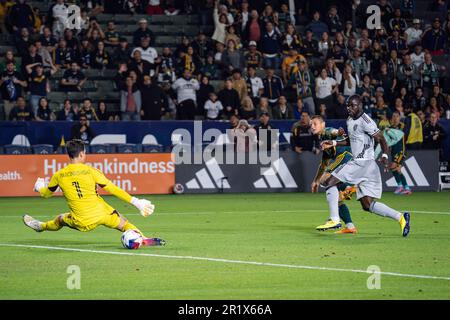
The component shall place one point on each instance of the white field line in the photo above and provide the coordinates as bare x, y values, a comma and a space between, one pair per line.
234, 212
255, 263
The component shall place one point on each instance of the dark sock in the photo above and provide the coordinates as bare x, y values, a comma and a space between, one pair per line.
396, 175
344, 213
403, 181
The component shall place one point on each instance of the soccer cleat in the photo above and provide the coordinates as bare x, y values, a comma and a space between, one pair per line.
404, 224
406, 192
34, 224
152, 242
347, 230
399, 190
347, 193
329, 225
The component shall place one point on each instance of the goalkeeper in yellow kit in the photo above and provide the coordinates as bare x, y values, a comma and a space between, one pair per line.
88, 210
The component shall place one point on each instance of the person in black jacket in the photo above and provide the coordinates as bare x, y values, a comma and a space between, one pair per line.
433, 133
154, 100
229, 98
82, 130
203, 94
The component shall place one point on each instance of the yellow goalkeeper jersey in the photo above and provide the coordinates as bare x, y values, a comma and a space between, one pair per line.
78, 183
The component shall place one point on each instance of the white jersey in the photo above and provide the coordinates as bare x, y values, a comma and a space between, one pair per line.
360, 133
186, 89
149, 54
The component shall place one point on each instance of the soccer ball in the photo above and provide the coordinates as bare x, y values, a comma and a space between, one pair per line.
131, 239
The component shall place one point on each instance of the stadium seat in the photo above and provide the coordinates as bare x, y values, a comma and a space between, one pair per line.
17, 149
127, 148
102, 148
42, 148
152, 148
2, 150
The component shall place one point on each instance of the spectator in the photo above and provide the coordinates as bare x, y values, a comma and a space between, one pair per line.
64, 56
239, 84
229, 98
271, 47
433, 133
253, 58
112, 37
22, 42
325, 87
83, 131
11, 86
290, 64
244, 137
171, 8
185, 88
130, 100
396, 121
213, 107
21, 112
273, 86
382, 113
290, 39
103, 114
38, 83
433, 39
203, 94
9, 57
32, 57
413, 130
255, 86
154, 100
413, 34
253, 29
210, 69
21, 16
231, 35
5, 6
359, 64
154, 8
397, 23
325, 46
88, 110
430, 73
73, 79
418, 102
263, 107
43, 112
47, 60
233, 57
60, 13
66, 113
302, 81
341, 108
202, 46
143, 32
122, 53
408, 75
282, 110
316, 26
302, 138
148, 53
264, 124
310, 48
220, 23
100, 57
333, 20
247, 111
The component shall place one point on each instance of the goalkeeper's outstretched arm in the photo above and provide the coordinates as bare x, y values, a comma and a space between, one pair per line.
144, 206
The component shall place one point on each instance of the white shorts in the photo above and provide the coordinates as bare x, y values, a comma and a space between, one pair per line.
364, 174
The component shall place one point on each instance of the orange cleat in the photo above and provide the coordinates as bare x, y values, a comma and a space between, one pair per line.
347, 230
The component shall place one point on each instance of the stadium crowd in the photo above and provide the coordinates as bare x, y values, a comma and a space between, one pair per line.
267, 69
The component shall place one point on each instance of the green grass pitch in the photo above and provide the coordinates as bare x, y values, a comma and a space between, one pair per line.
278, 229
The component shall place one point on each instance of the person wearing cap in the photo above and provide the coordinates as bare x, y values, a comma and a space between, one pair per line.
413, 34
253, 58
142, 32
434, 39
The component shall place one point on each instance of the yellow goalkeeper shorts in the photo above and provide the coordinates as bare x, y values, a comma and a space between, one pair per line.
108, 219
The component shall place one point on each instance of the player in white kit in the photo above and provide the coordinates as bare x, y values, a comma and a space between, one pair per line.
362, 170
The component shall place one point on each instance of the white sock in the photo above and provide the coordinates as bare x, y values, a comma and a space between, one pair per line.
333, 202
384, 211
350, 225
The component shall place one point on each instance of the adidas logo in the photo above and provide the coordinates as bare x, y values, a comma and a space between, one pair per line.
203, 180
275, 176
416, 173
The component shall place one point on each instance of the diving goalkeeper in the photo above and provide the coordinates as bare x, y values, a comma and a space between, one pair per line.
88, 210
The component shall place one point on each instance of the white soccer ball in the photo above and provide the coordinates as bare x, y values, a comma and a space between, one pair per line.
131, 239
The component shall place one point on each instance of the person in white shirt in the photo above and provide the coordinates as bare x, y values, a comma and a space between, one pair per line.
418, 56
147, 53
213, 107
60, 13
255, 85
349, 82
186, 88
325, 87
413, 34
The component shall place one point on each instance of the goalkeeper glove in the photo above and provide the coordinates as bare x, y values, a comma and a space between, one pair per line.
39, 184
145, 207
